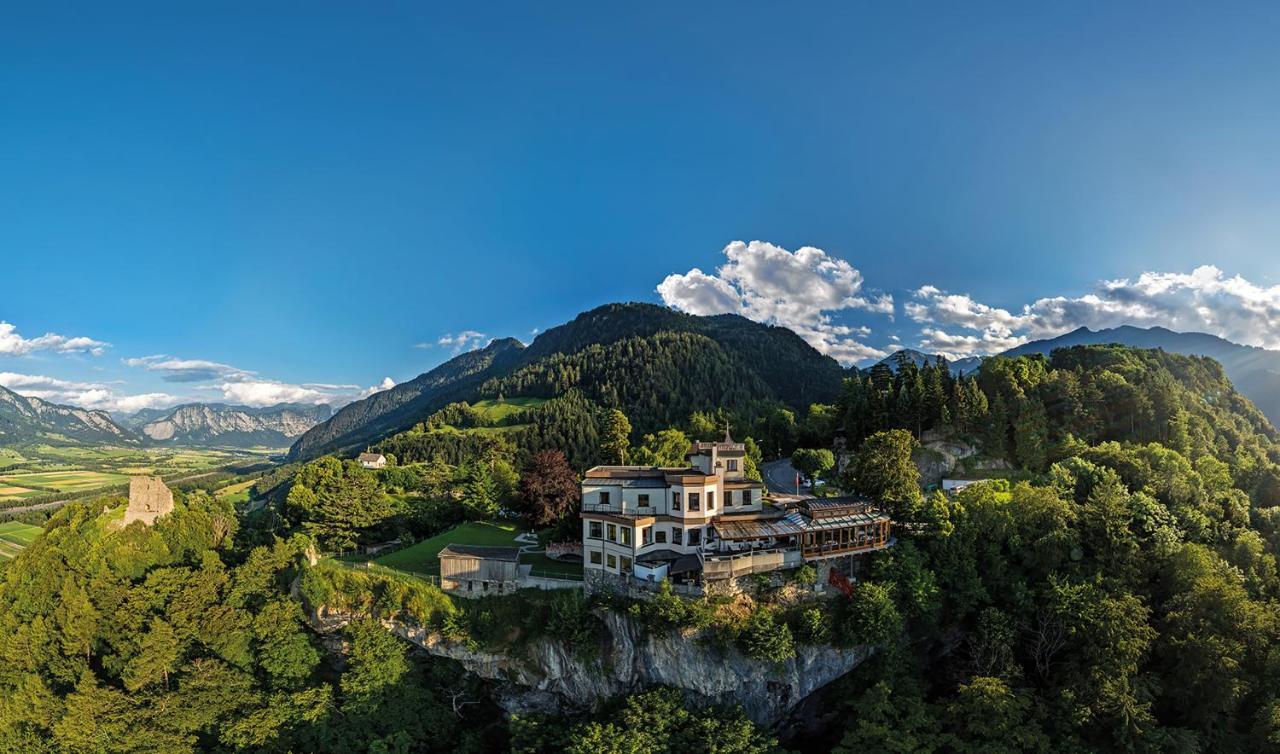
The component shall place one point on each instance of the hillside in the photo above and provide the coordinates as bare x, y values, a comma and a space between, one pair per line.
390, 411
24, 419
655, 364
1255, 372
232, 426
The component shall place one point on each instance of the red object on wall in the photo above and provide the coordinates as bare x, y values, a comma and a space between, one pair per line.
838, 580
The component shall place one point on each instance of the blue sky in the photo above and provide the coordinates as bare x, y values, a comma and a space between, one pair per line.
269, 200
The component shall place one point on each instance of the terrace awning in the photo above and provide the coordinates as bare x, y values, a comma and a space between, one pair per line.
756, 529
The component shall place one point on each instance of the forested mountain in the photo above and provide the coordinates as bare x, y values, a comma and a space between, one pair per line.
398, 408
24, 419
654, 364
232, 426
1254, 371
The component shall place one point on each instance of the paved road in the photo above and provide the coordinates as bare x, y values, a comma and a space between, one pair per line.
780, 478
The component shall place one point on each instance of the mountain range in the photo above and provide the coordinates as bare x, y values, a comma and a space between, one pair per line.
30, 419
228, 426
655, 364
959, 367
774, 365
27, 419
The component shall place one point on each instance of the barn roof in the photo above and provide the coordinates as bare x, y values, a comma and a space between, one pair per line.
485, 552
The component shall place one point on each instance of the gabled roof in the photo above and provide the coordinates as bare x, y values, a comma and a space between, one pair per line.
371, 457
486, 552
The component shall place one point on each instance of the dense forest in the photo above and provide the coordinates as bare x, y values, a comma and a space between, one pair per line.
1113, 587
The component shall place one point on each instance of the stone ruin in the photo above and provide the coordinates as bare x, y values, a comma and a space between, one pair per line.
149, 499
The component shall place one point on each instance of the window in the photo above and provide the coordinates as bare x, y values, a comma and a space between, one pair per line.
695, 537
677, 536
661, 536
675, 501
604, 497
711, 501
646, 535
595, 558
613, 533
733, 464
595, 530
644, 501
746, 497
613, 561
695, 504
728, 498
626, 535
626, 565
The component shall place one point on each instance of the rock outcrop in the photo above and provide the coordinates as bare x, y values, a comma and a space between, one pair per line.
149, 499
548, 676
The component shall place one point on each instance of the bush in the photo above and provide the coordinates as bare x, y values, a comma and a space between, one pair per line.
765, 638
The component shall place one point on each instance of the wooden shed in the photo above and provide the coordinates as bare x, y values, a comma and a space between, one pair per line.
478, 568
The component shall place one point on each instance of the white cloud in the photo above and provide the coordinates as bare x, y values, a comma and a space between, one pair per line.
259, 392
1204, 300
13, 344
386, 384
767, 283
463, 341
93, 395
173, 369
268, 393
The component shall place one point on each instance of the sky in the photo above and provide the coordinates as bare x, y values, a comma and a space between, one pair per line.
259, 202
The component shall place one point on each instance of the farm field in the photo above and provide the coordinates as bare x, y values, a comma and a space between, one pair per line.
34, 473
63, 481
16, 536
236, 493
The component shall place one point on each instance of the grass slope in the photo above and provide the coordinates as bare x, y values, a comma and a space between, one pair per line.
423, 557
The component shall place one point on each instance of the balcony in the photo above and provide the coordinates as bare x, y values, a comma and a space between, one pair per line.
620, 509
732, 565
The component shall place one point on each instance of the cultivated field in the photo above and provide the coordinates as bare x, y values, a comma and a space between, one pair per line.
14, 537
35, 473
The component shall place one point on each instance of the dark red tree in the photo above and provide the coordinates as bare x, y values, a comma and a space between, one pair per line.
548, 488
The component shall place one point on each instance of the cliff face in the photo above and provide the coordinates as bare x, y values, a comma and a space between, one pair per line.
25, 419
549, 676
200, 423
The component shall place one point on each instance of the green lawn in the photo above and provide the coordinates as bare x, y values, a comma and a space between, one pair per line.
497, 410
422, 557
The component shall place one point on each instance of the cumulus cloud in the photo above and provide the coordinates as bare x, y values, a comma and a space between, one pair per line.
92, 395
14, 344
798, 290
466, 340
1203, 300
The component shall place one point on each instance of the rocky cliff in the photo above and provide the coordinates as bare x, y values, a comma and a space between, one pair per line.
27, 418
548, 676
238, 426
